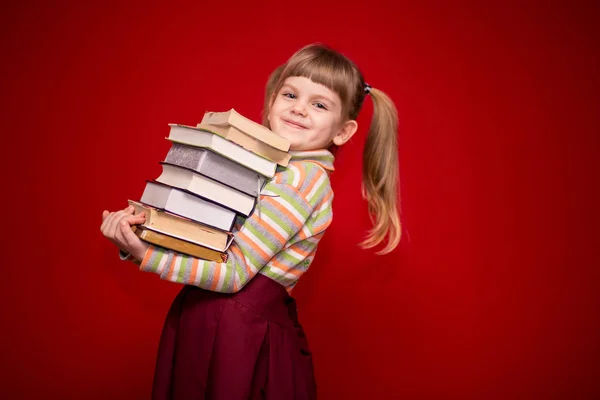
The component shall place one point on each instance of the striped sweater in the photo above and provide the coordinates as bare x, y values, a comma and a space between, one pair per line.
279, 239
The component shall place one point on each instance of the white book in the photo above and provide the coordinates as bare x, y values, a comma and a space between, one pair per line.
187, 205
187, 179
202, 138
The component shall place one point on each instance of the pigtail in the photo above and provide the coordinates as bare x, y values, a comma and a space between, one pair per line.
380, 185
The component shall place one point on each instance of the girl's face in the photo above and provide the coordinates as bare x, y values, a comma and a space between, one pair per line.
309, 115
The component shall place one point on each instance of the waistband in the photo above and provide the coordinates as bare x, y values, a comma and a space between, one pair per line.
264, 296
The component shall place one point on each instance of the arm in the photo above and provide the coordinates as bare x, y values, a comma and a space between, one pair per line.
282, 211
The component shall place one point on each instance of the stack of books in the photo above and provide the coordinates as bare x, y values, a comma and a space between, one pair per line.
212, 174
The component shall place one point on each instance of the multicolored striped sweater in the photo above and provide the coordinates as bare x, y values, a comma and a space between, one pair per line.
279, 239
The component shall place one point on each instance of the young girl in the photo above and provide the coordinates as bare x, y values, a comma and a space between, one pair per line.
233, 332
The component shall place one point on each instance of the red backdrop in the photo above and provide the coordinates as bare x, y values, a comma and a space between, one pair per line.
493, 293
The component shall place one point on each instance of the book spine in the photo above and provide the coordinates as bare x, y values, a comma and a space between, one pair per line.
180, 246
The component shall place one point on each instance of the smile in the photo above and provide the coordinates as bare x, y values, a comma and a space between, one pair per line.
294, 124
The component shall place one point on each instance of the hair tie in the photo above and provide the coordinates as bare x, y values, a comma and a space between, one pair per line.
367, 88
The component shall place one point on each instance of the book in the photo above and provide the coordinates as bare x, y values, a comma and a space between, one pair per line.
248, 142
202, 138
247, 126
183, 228
182, 203
194, 182
216, 167
180, 246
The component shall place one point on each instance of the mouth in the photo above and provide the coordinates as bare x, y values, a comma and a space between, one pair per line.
294, 124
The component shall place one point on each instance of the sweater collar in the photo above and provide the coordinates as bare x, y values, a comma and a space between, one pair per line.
323, 157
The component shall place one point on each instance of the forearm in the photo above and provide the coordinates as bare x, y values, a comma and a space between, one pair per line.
227, 277
136, 256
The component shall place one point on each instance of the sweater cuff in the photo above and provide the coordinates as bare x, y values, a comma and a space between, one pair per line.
153, 260
124, 256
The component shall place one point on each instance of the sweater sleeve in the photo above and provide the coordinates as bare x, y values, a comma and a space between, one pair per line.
285, 205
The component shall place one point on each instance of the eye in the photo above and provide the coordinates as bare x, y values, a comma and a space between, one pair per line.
321, 106
289, 95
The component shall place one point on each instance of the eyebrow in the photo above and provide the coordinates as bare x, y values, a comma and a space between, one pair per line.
319, 96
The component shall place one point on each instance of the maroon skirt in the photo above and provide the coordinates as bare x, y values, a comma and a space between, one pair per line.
245, 345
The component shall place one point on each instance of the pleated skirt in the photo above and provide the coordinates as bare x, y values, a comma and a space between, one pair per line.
245, 345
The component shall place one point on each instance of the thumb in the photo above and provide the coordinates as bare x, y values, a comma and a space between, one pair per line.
104, 214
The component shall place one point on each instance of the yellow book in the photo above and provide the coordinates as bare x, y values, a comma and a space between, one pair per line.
183, 228
247, 126
180, 246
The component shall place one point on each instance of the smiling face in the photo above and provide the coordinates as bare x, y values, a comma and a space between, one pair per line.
309, 115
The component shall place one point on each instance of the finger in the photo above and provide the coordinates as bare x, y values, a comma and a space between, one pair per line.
105, 214
143, 213
130, 219
120, 239
114, 221
133, 222
130, 238
129, 209
110, 219
106, 222
105, 231
135, 219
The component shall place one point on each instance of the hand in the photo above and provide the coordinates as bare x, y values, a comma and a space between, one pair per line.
116, 226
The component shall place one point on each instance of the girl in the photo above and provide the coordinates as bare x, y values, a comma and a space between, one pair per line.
233, 332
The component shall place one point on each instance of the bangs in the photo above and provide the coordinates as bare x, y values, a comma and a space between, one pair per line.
327, 69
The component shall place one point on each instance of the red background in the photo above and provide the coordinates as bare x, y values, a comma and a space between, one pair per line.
493, 293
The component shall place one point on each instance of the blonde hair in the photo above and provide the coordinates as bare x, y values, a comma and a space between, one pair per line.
380, 181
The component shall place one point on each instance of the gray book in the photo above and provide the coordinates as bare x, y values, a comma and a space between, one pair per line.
216, 167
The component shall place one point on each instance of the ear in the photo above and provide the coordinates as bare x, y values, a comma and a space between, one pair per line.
346, 132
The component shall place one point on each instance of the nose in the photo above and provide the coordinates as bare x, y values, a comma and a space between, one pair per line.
299, 108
